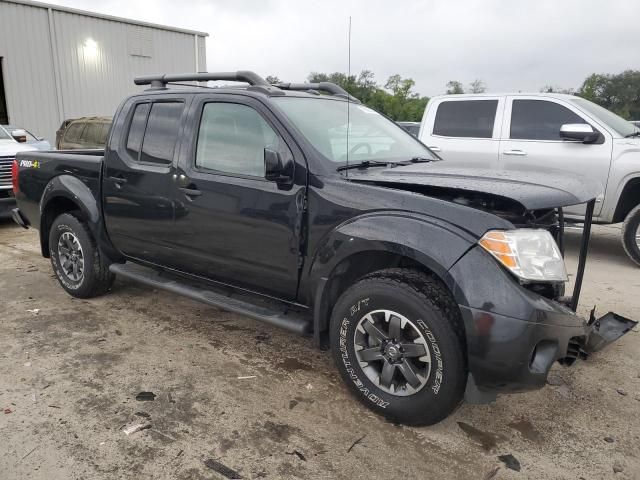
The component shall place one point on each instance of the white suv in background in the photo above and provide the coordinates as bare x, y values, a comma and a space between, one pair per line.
9, 146
544, 132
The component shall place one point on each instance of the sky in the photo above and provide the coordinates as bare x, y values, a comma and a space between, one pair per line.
511, 45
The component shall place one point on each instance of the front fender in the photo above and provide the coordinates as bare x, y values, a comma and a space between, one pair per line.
434, 243
431, 242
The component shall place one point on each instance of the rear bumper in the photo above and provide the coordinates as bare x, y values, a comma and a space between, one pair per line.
514, 335
19, 218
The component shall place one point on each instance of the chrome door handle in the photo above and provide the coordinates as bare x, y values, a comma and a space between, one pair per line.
519, 153
433, 148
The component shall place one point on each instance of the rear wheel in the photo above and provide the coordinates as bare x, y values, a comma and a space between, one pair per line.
81, 269
631, 234
397, 341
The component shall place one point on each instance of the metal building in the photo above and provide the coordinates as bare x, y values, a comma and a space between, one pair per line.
58, 62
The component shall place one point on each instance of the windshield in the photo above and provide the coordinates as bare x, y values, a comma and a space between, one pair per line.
371, 136
4, 135
619, 124
11, 128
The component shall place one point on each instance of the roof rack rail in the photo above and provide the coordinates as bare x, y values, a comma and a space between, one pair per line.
160, 81
327, 87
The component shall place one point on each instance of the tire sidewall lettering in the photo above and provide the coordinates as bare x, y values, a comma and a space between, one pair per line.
352, 367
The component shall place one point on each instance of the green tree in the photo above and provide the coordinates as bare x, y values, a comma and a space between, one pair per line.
477, 86
454, 87
272, 79
396, 99
619, 93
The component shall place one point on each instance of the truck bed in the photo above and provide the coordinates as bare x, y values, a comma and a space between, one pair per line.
37, 169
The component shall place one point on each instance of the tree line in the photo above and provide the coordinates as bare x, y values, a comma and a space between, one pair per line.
397, 99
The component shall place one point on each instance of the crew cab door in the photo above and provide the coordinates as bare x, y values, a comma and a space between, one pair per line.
232, 225
138, 177
464, 131
531, 141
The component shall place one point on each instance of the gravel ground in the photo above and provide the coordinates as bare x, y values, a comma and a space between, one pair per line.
265, 403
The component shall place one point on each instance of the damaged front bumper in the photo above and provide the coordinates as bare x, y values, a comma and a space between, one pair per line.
514, 335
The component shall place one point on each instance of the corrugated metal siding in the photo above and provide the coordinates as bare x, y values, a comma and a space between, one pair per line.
202, 54
89, 84
28, 68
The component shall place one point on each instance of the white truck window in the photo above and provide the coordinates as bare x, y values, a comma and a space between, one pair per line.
539, 120
462, 118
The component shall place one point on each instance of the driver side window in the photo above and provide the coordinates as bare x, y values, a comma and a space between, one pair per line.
539, 120
232, 139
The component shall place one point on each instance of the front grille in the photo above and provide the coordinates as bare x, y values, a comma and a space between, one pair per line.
5, 171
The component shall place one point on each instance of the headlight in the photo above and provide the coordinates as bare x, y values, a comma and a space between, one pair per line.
531, 255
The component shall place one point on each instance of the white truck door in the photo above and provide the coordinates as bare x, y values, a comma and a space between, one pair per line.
531, 141
464, 131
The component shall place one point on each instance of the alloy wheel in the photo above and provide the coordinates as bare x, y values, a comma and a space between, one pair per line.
71, 256
392, 352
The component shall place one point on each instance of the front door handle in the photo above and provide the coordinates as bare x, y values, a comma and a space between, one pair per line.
191, 192
516, 152
433, 148
118, 181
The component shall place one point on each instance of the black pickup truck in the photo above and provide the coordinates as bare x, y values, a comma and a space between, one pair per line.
298, 206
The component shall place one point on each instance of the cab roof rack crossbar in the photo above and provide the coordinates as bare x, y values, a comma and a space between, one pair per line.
326, 87
160, 81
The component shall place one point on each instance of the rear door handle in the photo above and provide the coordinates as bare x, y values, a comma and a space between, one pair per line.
433, 148
191, 192
516, 152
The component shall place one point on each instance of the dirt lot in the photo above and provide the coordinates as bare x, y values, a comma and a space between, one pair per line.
70, 371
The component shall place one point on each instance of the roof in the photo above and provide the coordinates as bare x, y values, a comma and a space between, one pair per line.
105, 17
563, 96
231, 89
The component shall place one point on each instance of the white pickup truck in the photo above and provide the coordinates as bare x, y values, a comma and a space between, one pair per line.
544, 132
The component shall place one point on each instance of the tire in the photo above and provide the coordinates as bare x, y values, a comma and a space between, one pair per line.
631, 235
71, 243
432, 323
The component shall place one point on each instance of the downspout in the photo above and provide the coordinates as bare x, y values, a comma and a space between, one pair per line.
55, 61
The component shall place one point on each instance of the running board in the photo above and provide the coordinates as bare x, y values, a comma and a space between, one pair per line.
289, 320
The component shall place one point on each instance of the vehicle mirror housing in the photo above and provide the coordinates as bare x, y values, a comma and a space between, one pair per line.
276, 169
19, 136
582, 132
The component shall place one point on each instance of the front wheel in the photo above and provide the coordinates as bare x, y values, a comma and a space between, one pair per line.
631, 234
77, 262
397, 341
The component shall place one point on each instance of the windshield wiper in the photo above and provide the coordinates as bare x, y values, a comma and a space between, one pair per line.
634, 134
364, 164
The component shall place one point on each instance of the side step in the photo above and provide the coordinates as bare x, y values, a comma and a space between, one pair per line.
289, 320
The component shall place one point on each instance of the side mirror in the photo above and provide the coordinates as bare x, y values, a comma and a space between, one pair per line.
275, 169
19, 136
582, 132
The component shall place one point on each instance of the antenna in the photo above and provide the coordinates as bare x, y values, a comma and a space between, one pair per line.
348, 98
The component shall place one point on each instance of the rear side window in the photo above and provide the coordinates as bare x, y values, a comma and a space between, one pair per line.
471, 118
539, 120
136, 130
91, 133
104, 131
74, 132
162, 132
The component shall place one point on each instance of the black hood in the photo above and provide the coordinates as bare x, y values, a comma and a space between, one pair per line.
533, 190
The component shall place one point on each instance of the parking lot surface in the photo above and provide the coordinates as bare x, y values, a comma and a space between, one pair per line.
265, 403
